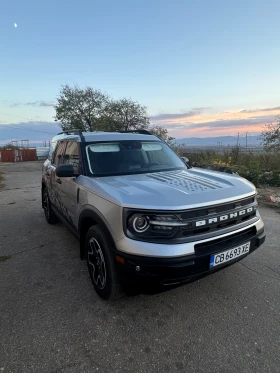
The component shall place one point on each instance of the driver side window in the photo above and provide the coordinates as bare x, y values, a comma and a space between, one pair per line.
58, 154
72, 156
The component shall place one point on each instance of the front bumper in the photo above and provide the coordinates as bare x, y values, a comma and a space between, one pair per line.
176, 270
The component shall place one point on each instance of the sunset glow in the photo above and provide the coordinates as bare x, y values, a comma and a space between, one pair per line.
206, 122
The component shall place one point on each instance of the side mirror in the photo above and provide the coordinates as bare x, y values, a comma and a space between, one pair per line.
64, 170
186, 161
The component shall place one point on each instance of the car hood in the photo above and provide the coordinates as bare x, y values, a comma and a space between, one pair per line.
171, 190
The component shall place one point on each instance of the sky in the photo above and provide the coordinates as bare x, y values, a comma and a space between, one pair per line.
202, 68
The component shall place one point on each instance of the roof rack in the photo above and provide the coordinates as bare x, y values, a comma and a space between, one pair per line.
141, 132
74, 132
78, 132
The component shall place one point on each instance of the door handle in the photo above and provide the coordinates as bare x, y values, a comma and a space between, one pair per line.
58, 181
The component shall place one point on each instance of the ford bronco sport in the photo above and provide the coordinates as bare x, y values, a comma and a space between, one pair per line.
141, 213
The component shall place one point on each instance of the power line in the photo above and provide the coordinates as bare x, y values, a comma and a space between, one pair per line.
16, 116
25, 129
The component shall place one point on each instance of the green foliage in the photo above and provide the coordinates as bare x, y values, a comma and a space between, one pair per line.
258, 177
90, 109
124, 115
8, 147
250, 173
80, 108
271, 136
259, 168
162, 133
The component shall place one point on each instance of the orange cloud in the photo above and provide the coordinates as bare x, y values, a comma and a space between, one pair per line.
200, 123
207, 131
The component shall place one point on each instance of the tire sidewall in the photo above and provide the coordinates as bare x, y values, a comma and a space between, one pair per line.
51, 218
111, 272
46, 195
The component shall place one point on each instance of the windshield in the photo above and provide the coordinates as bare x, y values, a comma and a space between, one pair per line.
131, 157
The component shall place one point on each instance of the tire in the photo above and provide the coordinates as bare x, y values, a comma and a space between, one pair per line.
101, 264
49, 213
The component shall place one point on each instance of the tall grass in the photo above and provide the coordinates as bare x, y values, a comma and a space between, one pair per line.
260, 168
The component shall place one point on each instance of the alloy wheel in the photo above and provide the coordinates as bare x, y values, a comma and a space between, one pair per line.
96, 263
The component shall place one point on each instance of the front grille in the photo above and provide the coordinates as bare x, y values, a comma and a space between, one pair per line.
215, 227
217, 209
215, 218
219, 244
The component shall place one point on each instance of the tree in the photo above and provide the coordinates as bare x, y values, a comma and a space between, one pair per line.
9, 146
91, 110
80, 108
124, 115
271, 136
162, 133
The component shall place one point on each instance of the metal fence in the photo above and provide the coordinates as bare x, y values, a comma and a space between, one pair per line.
18, 155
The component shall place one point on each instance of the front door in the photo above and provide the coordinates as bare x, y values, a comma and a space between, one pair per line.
56, 182
69, 185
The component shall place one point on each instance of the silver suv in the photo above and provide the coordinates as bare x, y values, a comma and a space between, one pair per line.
141, 214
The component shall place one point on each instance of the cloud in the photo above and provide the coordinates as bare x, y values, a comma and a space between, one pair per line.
16, 104
190, 113
34, 103
185, 114
196, 121
224, 123
233, 122
201, 108
41, 103
31, 130
259, 110
199, 117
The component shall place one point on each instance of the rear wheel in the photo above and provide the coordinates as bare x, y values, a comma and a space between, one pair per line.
49, 213
101, 265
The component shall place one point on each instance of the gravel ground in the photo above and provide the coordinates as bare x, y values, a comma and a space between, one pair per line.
52, 320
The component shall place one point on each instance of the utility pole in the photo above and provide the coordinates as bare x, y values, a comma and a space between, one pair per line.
237, 144
25, 143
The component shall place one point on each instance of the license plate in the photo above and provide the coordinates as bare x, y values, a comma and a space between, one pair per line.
228, 255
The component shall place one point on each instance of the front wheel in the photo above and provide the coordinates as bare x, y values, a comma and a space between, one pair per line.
101, 265
49, 213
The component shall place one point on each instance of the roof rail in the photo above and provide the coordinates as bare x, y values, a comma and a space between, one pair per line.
141, 132
78, 132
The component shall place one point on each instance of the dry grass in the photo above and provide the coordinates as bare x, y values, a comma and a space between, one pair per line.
259, 168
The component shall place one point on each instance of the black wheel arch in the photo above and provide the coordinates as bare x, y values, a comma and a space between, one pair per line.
87, 219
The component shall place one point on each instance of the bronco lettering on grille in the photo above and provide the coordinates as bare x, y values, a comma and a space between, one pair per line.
222, 218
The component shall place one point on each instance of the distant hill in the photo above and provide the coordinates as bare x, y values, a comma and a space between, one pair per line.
222, 140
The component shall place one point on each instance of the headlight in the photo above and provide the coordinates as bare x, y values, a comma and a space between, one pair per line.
140, 223
143, 226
